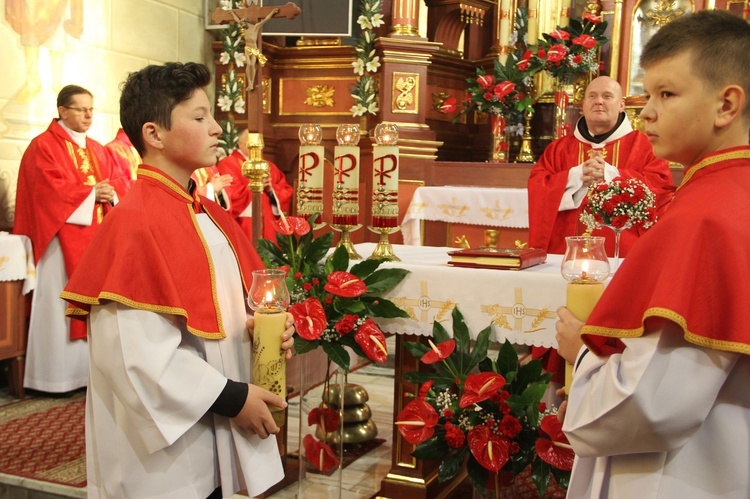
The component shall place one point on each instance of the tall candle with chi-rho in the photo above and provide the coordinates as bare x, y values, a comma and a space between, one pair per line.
346, 176
385, 177
310, 170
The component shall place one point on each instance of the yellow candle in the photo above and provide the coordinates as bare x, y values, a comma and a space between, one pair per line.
564, 13
504, 29
269, 364
581, 299
531, 37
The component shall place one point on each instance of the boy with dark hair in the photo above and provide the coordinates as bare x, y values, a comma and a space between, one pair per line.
659, 405
169, 411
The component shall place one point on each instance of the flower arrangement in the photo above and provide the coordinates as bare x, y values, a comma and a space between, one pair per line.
332, 305
620, 204
365, 91
507, 91
572, 50
229, 94
483, 412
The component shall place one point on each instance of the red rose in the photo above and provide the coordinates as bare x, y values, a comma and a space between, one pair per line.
557, 53
307, 286
346, 324
577, 59
560, 34
585, 41
593, 19
541, 53
298, 275
619, 221
454, 437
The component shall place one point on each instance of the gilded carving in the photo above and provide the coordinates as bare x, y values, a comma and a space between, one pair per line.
438, 98
405, 87
266, 86
320, 96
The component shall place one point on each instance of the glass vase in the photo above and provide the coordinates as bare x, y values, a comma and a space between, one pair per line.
320, 445
499, 139
617, 231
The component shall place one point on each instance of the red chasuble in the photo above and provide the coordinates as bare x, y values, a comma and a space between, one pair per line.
631, 154
149, 255
125, 156
241, 196
691, 268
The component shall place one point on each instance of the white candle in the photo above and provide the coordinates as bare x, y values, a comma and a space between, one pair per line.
532, 36
346, 185
384, 186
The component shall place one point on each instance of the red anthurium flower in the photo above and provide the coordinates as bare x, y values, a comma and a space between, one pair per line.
479, 387
504, 88
291, 225
523, 64
557, 53
438, 352
593, 19
490, 450
585, 41
560, 34
448, 106
556, 450
417, 421
326, 418
425, 388
372, 340
344, 284
486, 81
309, 318
319, 454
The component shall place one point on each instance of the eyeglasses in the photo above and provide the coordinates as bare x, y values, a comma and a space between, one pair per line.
83, 110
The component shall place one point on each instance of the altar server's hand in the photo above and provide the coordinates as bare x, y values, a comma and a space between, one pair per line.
255, 416
568, 335
563, 406
287, 337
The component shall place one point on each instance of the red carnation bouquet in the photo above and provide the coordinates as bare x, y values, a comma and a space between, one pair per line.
619, 204
483, 412
332, 304
572, 50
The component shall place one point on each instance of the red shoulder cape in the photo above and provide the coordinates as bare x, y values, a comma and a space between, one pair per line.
149, 255
691, 268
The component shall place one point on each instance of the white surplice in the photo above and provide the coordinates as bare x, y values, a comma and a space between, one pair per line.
664, 419
148, 433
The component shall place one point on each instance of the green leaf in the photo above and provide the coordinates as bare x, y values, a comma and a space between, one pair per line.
439, 333
417, 350
451, 465
302, 345
562, 477
285, 244
365, 267
528, 373
381, 307
337, 354
340, 259
441, 382
318, 248
460, 331
478, 474
383, 280
507, 358
481, 346
432, 448
540, 474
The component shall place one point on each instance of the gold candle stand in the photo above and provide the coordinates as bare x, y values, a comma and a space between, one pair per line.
346, 240
384, 248
255, 169
525, 155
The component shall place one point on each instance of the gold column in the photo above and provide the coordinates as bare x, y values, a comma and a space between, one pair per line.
616, 42
405, 18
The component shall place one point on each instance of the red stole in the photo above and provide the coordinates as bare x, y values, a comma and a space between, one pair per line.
691, 268
149, 255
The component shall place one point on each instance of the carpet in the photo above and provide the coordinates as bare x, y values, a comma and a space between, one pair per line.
43, 439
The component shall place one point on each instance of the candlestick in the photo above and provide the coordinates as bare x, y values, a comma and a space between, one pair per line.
310, 173
586, 267
385, 188
269, 298
255, 169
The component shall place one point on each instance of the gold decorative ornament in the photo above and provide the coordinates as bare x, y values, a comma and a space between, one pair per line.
320, 96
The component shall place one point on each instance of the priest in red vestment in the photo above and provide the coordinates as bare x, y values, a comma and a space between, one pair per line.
66, 185
602, 147
276, 198
125, 156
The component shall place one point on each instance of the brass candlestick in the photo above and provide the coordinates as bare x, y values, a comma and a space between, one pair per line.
525, 155
346, 240
255, 169
384, 248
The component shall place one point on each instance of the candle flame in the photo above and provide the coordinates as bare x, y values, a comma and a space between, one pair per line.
584, 268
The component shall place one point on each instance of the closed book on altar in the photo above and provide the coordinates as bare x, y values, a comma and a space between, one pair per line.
497, 258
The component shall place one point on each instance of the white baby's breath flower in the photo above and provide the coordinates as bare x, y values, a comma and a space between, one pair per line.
225, 103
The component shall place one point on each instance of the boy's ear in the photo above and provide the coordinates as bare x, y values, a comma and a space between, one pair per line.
732, 105
151, 135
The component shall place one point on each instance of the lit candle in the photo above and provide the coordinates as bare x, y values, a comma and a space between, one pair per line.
531, 37
269, 298
310, 173
346, 176
385, 177
581, 299
504, 30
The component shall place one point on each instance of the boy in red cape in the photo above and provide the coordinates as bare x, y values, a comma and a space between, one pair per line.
169, 411
659, 405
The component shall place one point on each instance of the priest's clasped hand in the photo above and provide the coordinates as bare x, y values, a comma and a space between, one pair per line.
593, 170
104, 192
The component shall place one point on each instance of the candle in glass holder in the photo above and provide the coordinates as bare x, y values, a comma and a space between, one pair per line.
586, 267
310, 172
346, 176
385, 177
269, 298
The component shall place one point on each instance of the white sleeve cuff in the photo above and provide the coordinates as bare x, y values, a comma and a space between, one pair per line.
574, 190
84, 214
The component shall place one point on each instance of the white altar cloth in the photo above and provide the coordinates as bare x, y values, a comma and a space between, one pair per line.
520, 304
17, 260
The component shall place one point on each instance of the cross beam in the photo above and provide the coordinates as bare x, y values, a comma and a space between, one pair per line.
255, 14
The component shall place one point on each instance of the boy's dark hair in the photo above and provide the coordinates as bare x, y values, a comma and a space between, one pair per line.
150, 95
65, 96
719, 44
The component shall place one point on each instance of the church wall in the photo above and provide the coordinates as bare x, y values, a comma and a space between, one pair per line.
115, 37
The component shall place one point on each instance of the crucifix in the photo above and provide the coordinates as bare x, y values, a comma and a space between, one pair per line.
250, 19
